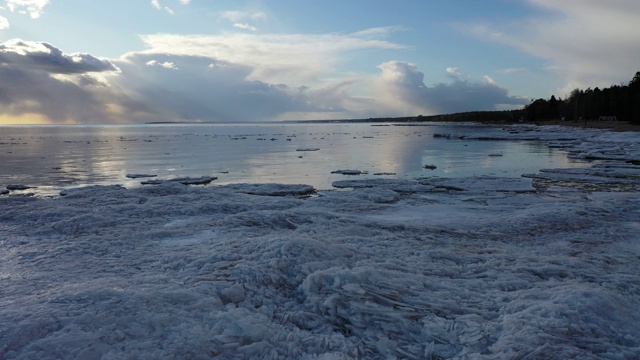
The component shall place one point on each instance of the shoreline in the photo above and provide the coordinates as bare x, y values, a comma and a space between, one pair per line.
589, 124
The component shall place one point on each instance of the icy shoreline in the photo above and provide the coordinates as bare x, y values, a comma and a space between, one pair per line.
469, 268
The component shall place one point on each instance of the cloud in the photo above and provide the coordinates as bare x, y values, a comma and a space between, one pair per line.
588, 43
4, 23
156, 5
198, 79
454, 71
510, 71
33, 8
489, 80
166, 64
244, 27
237, 16
378, 32
37, 56
401, 87
37, 78
200, 88
296, 59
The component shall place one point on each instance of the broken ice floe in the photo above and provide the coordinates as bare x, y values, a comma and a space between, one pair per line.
203, 180
349, 172
138, 176
484, 184
271, 189
600, 177
615, 156
364, 273
17, 187
480, 184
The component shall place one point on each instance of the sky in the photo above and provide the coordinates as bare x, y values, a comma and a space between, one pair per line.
137, 61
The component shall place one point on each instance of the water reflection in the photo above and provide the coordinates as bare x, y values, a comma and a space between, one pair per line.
55, 157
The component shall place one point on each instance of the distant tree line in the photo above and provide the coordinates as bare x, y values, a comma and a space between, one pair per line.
621, 101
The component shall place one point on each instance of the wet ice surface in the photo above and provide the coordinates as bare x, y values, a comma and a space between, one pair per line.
476, 267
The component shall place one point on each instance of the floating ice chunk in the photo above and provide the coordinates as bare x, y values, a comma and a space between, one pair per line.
203, 180
601, 177
348, 172
397, 185
368, 183
14, 187
481, 183
272, 189
137, 176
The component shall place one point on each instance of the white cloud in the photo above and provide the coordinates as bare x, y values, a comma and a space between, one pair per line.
166, 64
185, 2
156, 5
383, 31
237, 16
586, 42
510, 71
4, 23
400, 85
489, 80
37, 56
33, 8
455, 73
454, 70
296, 59
244, 26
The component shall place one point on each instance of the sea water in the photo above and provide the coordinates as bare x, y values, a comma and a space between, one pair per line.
52, 158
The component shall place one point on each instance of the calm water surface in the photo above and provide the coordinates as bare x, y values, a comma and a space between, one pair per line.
57, 157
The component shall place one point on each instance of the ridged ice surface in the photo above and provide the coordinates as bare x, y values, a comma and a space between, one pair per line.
466, 268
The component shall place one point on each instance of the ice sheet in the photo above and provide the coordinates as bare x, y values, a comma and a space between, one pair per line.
475, 268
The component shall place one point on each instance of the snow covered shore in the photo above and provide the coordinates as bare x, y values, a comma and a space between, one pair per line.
470, 268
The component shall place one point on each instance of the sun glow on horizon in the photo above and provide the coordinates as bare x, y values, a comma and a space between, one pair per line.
31, 119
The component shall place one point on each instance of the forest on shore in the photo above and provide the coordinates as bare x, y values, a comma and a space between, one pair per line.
615, 103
